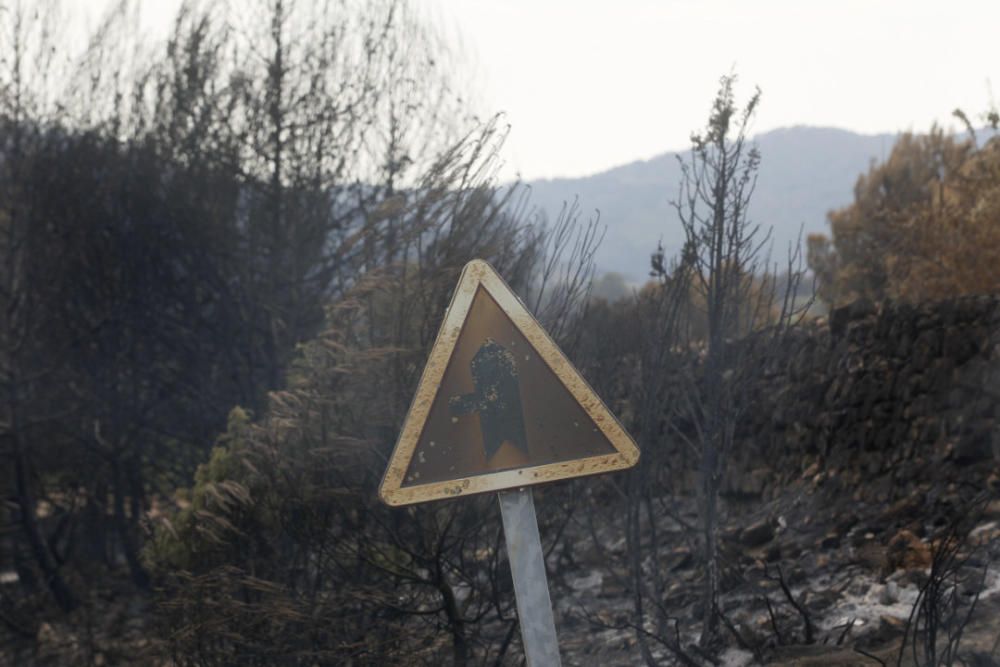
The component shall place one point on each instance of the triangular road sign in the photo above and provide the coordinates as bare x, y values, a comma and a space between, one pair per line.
498, 406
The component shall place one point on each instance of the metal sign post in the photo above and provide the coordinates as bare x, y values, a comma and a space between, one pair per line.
531, 587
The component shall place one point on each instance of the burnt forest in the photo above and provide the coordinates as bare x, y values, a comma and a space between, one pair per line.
225, 257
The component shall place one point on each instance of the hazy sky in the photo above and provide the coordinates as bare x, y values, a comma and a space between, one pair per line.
588, 85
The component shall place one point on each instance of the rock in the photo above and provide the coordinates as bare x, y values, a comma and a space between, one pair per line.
993, 484
890, 594
797, 575
734, 657
45, 634
858, 588
846, 523
870, 554
917, 527
758, 481
905, 508
680, 558
587, 582
906, 551
757, 534
974, 447
905, 578
612, 589
973, 583
821, 600
888, 628
840, 317
830, 541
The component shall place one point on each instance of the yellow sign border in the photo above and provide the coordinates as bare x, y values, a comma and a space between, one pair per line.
476, 274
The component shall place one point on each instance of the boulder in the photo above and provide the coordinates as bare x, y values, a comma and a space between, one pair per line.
906, 551
757, 534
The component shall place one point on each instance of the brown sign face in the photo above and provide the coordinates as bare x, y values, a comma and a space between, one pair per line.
498, 406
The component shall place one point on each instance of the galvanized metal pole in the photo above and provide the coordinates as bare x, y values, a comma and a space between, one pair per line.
531, 587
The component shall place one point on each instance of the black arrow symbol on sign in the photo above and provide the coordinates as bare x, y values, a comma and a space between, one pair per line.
497, 398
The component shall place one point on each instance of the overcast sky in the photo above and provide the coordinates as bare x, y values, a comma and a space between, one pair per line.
587, 85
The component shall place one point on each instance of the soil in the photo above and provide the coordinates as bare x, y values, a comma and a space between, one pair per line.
855, 568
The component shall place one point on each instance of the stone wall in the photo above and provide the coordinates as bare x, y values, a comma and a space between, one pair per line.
873, 398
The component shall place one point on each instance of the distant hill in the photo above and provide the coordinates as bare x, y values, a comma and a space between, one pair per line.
805, 172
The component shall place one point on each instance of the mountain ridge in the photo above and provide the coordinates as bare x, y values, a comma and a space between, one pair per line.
805, 172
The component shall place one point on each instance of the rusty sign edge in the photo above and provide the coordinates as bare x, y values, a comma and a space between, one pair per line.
478, 273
